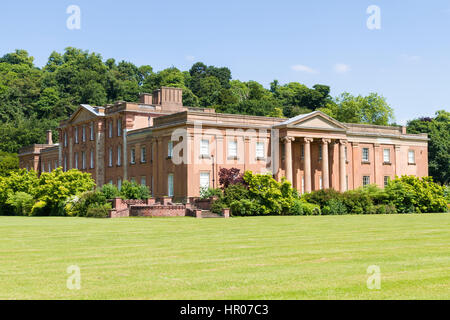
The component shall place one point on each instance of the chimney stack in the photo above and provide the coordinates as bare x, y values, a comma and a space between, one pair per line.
404, 130
49, 137
146, 98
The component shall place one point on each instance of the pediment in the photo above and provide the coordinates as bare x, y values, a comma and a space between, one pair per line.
82, 115
315, 120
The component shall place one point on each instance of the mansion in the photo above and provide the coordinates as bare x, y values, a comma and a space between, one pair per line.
177, 150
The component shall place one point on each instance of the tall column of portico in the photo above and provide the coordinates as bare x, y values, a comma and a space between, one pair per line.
342, 165
288, 158
308, 185
325, 164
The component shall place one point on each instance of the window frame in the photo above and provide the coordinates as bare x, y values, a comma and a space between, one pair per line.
363, 153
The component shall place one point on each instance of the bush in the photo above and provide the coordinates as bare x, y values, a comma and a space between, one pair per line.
385, 209
21, 202
357, 201
297, 208
101, 211
245, 207
110, 191
334, 207
39, 209
322, 197
206, 193
134, 191
79, 206
310, 209
410, 194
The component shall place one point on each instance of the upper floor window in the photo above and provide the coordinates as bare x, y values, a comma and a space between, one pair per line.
76, 134
119, 127
133, 156
320, 153
365, 154
411, 157
260, 150
204, 148
110, 129
346, 153
232, 149
143, 155
50, 166
170, 149
83, 133
387, 156
303, 152
65, 139
92, 131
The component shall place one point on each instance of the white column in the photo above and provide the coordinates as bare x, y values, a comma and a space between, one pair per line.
288, 157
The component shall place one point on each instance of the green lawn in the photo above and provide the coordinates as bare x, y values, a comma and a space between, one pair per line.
241, 258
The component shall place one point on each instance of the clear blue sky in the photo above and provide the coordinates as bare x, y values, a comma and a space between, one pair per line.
326, 42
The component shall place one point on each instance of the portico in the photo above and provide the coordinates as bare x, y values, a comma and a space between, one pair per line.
316, 136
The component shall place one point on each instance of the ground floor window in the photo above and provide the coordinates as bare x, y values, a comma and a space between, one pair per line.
386, 180
119, 183
366, 181
204, 180
143, 181
170, 185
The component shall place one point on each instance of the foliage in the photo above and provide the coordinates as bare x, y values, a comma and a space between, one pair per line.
134, 191
310, 209
21, 202
206, 193
372, 109
79, 206
231, 176
9, 162
411, 194
334, 207
110, 191
48, 192
438, 130
245, 207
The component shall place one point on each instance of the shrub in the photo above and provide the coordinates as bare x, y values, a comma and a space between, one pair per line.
21, 202
229, 177
296, 208
410, 194
79, 206
322, 197
134, 191
357, 201
235, 192
206, 193
101, 211
39, 209
110, 191
334, 207
385, 209
310, 209
245, 207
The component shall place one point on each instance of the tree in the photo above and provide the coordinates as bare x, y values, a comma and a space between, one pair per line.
372, 109
438, 129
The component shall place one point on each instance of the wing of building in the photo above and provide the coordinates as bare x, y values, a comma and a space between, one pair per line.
177, 150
